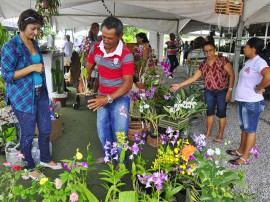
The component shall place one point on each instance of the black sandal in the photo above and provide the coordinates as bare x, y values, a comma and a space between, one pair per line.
236, 163
233, 152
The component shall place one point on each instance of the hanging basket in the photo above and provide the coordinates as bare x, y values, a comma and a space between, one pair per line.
179, 125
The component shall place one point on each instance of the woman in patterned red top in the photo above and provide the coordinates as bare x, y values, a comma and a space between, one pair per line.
218, 78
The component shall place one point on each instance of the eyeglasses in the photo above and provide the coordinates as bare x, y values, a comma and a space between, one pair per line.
208, 51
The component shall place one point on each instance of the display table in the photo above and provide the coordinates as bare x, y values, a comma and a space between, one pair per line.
49, 63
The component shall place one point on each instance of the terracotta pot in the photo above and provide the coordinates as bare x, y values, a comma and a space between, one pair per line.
45, 4
141, 85
61, 97
61, 100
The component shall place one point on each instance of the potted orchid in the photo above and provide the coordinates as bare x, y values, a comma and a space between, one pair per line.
212, 179
87, 93
184, 108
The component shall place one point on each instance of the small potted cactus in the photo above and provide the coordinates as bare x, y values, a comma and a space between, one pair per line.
57, 76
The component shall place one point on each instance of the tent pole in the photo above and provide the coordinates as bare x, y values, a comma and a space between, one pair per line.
266, 32
237, 51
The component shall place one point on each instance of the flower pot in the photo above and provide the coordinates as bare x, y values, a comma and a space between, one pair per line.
141, 85
62, 98
89, 97
154, 141
135, 127
178, 125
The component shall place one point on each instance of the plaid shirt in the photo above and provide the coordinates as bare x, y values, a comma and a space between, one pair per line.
20, 92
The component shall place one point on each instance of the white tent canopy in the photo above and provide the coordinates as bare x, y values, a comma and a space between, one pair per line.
156, 15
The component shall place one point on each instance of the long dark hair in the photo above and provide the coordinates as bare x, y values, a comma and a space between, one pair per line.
258, 45
90, 34
143, 36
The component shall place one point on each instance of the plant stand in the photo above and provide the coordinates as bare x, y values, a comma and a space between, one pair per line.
179, 125
154, 141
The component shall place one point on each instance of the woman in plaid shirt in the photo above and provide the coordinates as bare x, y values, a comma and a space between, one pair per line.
26, 91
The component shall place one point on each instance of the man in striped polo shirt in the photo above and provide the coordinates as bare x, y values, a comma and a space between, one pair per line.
115, 65
172, 51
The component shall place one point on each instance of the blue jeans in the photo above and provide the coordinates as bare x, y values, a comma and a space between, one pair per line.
249, 114
109, 121
27, 124
215, 98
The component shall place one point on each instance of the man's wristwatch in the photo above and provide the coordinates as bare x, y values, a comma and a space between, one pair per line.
230, 89
110, 100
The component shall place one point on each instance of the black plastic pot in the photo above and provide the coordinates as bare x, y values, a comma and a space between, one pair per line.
89, 97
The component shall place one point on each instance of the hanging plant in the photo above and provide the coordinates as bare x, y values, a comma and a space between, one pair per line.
49, 6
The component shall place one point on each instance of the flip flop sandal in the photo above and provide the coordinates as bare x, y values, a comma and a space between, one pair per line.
233, 152
235, 162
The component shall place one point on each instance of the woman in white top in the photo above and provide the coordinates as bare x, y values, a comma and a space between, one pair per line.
253, 79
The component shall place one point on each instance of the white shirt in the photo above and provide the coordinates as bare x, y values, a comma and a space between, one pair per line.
68, 46
249, 77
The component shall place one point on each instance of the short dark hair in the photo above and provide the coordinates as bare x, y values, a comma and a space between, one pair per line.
68, 37
29, 16
199, 42
209, 43
143, 36
210, 38
172, 34
113, 23
258, 45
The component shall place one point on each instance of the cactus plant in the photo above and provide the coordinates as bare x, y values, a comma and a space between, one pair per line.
57, 76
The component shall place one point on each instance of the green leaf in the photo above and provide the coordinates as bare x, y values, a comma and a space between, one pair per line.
90, 196
130, 196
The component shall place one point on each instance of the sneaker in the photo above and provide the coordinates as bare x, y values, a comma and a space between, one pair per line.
100, 160
170, 77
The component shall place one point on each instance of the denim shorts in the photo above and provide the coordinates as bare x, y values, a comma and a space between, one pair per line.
249, 114
216, 98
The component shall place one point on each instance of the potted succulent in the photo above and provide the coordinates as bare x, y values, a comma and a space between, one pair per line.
57, 76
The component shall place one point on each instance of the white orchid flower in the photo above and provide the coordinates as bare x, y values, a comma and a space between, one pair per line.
210, 152
217, 151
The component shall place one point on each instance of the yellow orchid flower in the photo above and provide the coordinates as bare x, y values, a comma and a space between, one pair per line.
43, 180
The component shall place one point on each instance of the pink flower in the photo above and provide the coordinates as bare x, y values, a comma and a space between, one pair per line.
8, 164
20, 155
58, 183
73, 197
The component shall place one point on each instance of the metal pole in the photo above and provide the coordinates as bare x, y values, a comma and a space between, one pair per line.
237, 51
266, 32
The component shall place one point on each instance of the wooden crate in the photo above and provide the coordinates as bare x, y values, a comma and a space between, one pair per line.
229, 7
221, 6
234, 8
